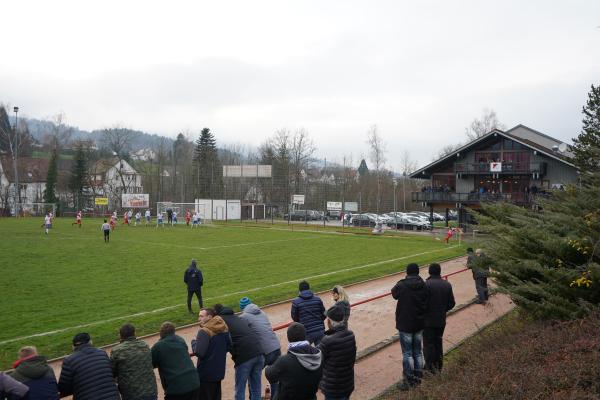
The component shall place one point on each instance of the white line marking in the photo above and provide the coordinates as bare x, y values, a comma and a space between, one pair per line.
49, 333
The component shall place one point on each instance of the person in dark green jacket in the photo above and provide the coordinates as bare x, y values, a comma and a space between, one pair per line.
178, 375
132, 366
33, 370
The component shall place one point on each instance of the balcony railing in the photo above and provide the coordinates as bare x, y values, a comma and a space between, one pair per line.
471, 198
538, 168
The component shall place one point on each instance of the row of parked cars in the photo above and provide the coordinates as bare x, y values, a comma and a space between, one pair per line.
414, 220
306, 215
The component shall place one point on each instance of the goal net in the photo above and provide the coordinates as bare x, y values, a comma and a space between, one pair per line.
182, 208
34, 209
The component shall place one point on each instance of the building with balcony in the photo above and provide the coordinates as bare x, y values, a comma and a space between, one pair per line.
516, 165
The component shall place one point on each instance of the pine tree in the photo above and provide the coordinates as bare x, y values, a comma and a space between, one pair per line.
585, 146
50, 191
207, 168
79, 174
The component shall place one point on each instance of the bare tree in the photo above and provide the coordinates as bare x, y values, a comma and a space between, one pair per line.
485, 124
118, 141
444, 151
377, 156
60, 133
302, 152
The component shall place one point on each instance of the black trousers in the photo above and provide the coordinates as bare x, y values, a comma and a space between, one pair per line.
193, 395
482, 288
433, 349
198, 294
210, 390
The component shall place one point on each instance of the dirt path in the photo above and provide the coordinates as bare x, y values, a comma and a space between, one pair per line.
372, 323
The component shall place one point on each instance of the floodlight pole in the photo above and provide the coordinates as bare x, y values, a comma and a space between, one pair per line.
15, 164
404, 191
395, 184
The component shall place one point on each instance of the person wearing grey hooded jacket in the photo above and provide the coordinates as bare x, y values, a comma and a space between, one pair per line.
259, 324
299, 371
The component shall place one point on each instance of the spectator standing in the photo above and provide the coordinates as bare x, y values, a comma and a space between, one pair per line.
481, 269
178, 376
210, 347
132, 366
342, 300
87, 373
309, 310
413, 296
11, 389
441, 300
246, 353
106, 230
259, 324
298, 373
194, 281
339, 354
33, 370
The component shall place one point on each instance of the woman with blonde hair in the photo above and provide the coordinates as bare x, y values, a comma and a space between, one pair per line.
341, 300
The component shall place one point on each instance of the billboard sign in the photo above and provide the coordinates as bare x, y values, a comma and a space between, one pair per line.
334, 205
351, 206
496, 167
101, 201
247, 171
298, 199
135, 200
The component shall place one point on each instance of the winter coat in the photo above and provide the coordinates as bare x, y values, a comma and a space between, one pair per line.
413, 296
11, 388
193, 279
132, 367
259, 323
245, 343
87, 374
298, 373
211, 346
480, 266
177, 372
339, 354
346, 307
441, 300
38, 376
309, 310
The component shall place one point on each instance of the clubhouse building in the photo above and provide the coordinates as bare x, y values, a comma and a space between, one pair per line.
516, 166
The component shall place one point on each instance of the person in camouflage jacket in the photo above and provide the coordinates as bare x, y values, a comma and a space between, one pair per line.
132, 367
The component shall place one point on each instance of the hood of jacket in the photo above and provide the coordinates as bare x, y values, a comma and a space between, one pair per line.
33, 368
414, 282
309, 357
214, 326
226, 311
306, 294
252, 309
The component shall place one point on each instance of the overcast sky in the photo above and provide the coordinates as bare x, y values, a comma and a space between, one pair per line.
420, 70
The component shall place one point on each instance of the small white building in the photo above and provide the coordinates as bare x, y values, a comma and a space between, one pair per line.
113, 177
32, 181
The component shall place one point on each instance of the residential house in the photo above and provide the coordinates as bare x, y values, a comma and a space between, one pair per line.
113, 177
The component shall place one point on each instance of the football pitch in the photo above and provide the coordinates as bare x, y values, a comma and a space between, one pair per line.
69, 281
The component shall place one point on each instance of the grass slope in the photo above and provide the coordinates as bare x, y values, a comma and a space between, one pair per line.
71, 277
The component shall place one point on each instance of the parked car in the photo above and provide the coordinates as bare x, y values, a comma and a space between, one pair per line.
334, 214
297, 215
363, 220
409, 222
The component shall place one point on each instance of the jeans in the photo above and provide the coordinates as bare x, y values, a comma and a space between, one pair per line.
315, 338
482, 289
412, 356
433, 349
251, 372
270, 360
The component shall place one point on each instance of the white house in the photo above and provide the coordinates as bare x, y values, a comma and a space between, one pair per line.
113, 177
32, 181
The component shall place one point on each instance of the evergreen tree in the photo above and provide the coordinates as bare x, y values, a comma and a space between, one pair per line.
207, 168
79, 174
51, 178
585, 146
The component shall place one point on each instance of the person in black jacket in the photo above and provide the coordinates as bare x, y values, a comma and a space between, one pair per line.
309, 310
413, 296
87, 373
299, 371
211, 346
33, 370
339, 354
441, 300
246, 353
194, 281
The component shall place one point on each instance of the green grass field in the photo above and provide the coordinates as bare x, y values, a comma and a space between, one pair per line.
70, 281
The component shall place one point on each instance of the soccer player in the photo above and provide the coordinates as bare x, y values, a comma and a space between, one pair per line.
147, 217
126, 218
159, 220
48, 222
77, 219
188, 217
106, 229
174, 218
138, 218
195, 220
113, 221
